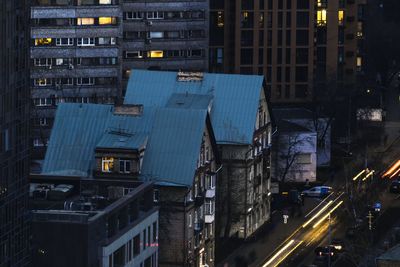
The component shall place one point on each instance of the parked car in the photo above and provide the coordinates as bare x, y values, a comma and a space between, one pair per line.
395, 186
318, 191
337, 244
325, 251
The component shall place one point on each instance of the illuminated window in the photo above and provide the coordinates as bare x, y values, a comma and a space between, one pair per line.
107, 20
42, 82
359, 62
340, 17
107, 164
321, 3
220, 19
105, 2
42, 41
155, 54
321, 17
85, 21
359, 29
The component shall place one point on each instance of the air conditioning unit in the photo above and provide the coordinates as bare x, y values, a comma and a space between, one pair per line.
149, 23
49, 67
71, 67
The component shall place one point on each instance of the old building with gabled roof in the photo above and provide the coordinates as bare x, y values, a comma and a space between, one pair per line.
241, 120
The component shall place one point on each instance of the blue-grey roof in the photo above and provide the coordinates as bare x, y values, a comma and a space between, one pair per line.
77, 129
192, 101
234, 105
174, 146
122, 140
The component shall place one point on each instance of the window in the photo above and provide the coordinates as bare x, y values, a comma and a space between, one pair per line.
124, 166
134, 15
40, 62
190, 222
156, 195
155, 54
63, 61
38, 142
107, 164
156, 35
304, 158
220, 19
195, 53
144, 239
85, 81
155, 15
209, 206
155, 232
64, 81
321, 17
84, 21
210, 181
42, 41
133, 54
107, 20
43, 82
85, 41
64, 41
40, 102
136, 245
7, 140
340, 17
104, 2
107, 40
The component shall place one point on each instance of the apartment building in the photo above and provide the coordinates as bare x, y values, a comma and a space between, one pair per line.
82, 51
173, 147
301, 46
93, 222
14, 133
242, 124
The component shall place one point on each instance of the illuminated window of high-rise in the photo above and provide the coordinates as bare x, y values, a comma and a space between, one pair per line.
321, 17
107, 20
85, 21
359, 62
359, 29
220, 19
340, 17
42, 41
155, 54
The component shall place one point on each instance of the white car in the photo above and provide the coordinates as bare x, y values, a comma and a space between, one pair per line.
318, 191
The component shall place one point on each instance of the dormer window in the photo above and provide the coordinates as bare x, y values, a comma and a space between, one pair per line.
124, 166
107, 164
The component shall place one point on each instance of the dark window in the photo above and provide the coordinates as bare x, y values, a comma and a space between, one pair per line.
280, 4
261, 4
269, 38
302, 74
260, 56
321, 35
278, 74
261, 38
279, 56
288, 4
288, 56
321, 54
246, 56
247, 38
269, 56
136, 245
247, 4
288, 19
301, 91
341, 36
270, 4
302, 19
144, 239
287, 91
303, 4
280, 19
301, 55
302, 37
279, 37
287, 74
288, 39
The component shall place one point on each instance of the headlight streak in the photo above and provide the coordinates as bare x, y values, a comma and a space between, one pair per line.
394, 174
326, 216
279, 252
358, 175
322, 202
318, 213
290, 252
368, 175
392, 169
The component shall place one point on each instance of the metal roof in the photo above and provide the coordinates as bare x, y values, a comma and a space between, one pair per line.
174, 146
235, 99
192, 101
77, 129
122, 140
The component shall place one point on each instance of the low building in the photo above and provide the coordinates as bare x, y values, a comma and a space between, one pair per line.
294, 155
390, 258
240, 118
86, 222
174, 147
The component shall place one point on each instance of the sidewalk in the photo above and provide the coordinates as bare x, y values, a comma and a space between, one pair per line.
253, 253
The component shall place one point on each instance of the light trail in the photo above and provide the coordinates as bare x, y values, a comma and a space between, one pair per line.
318, 213
392, 169
290, 252
279, 252
326, 216
316, 207
368, 175
358, 175
394, 174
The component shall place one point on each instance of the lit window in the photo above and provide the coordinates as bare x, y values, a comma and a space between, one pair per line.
105, 2
85, 21
359, 29
155, 54
220, 19
321, 17
106, 20
42, 41
340, 17
107, 164
359, 62
43, 82
156, 34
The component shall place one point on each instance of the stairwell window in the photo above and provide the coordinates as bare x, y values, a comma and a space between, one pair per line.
107, 164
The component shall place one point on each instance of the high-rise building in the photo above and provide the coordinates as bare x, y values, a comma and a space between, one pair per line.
14, 133
83, 50
301, 46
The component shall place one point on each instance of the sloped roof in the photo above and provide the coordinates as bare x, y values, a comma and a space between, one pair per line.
174, 146
77, 129
234, 106
192, 101
122, 140
392, 254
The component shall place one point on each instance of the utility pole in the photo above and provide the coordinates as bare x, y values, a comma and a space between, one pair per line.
330, 240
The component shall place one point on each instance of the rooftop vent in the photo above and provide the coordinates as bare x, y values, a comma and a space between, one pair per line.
190, 76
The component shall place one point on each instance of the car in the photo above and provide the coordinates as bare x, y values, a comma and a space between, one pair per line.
395, 186
318, 191
337, 244
325, 251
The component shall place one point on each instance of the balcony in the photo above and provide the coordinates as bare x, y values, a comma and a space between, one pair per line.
199, 226
209, 218
210, 193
